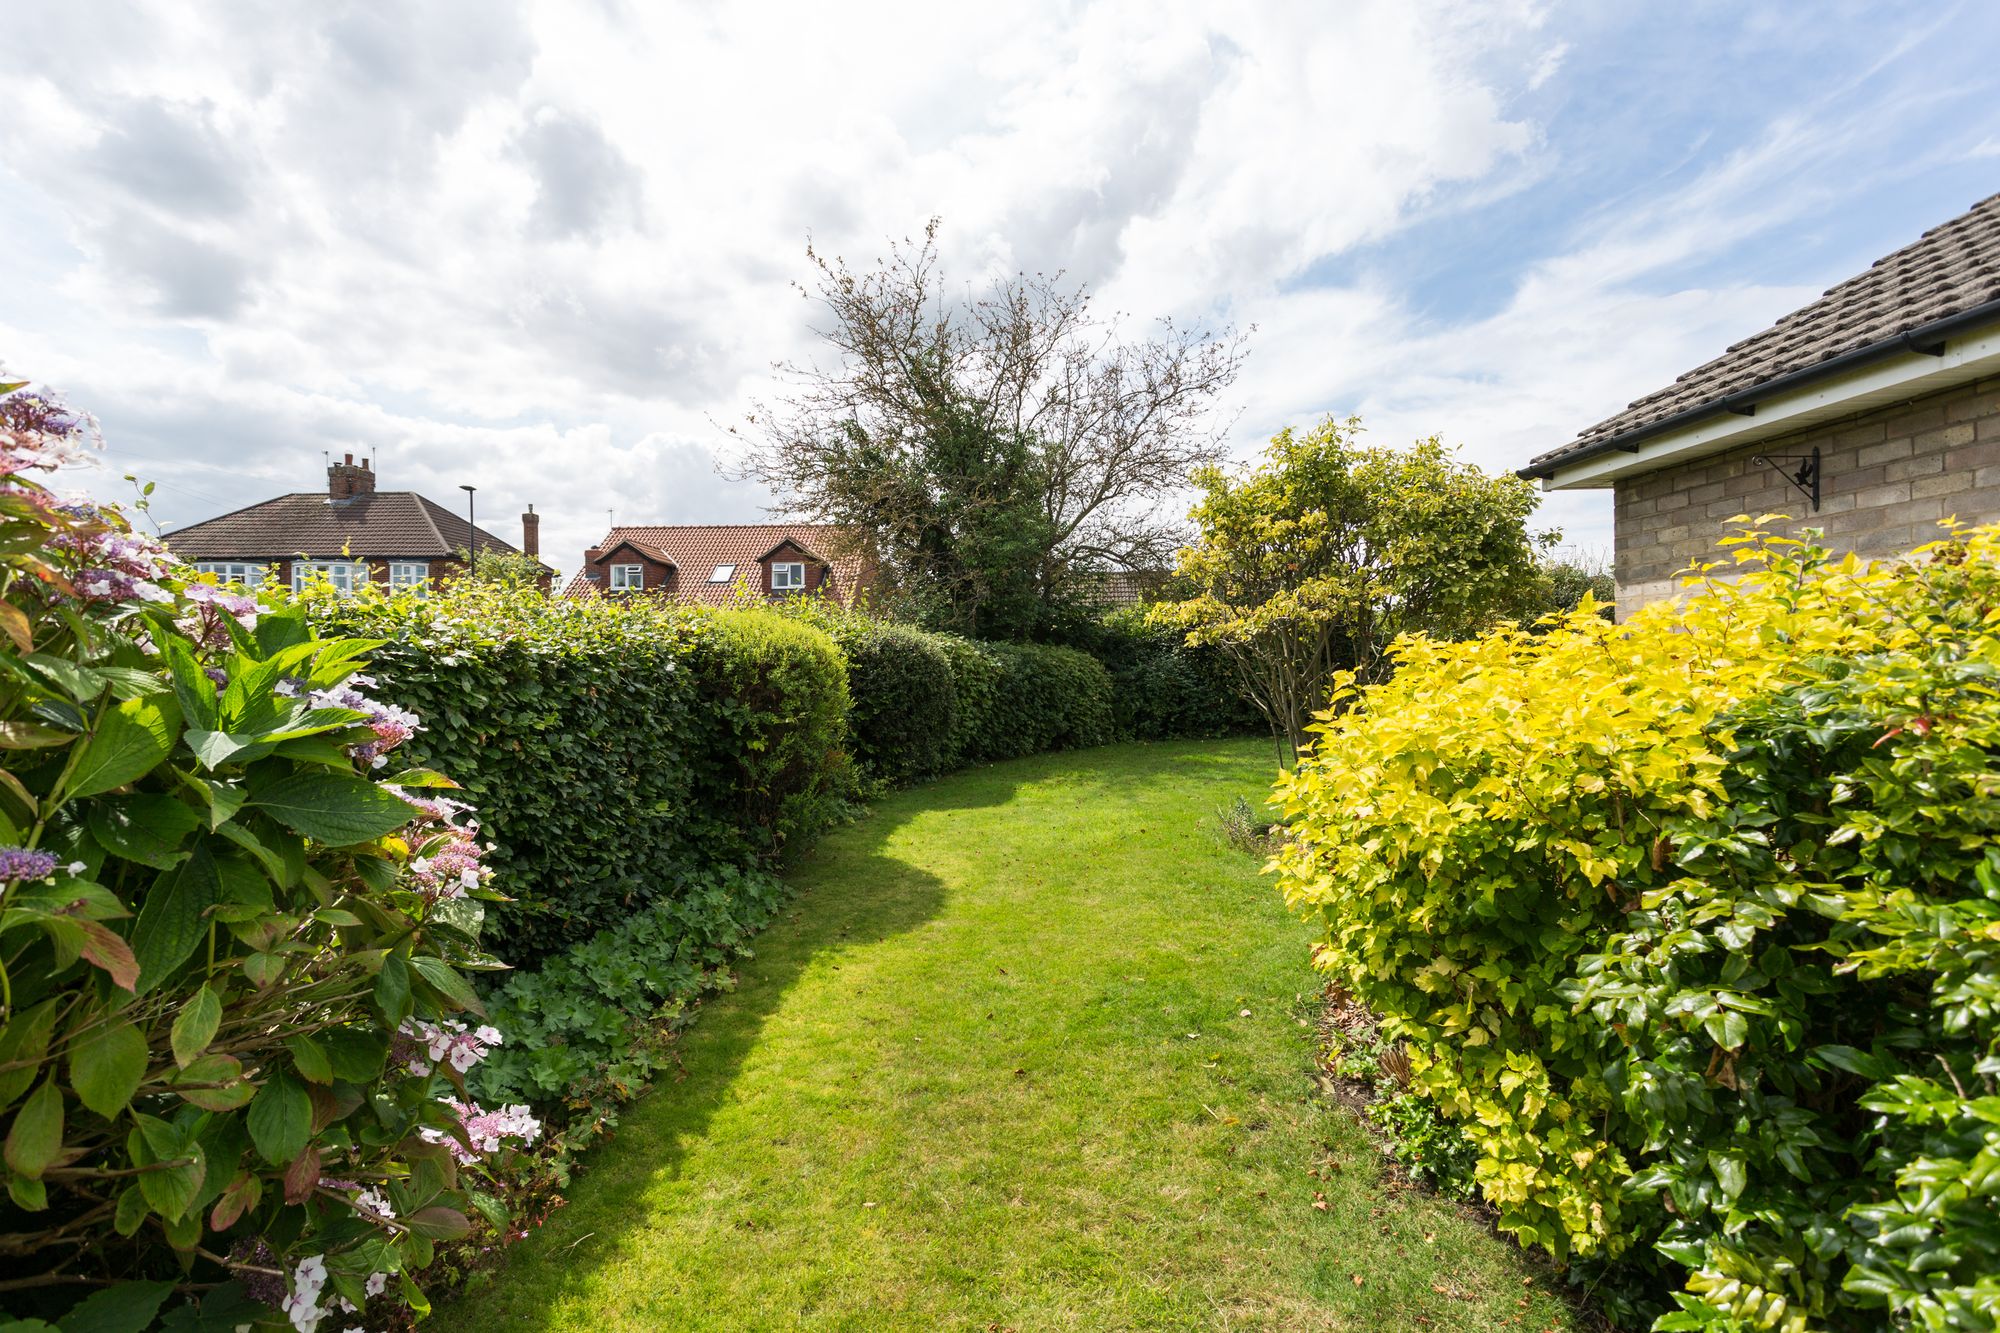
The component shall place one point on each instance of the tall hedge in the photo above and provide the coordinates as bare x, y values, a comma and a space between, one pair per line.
1045, 698
905, 700
771, 767
1162, 686
1693, 923
610, 744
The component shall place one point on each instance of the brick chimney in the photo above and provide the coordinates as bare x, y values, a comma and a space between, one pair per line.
531, 532
347, 479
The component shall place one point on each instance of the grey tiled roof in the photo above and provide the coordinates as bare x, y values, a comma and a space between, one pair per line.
1949, 270
378, 525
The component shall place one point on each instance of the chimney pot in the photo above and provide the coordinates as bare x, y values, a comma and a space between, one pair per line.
349, 460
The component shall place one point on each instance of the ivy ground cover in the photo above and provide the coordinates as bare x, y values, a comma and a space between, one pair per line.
1028, 1051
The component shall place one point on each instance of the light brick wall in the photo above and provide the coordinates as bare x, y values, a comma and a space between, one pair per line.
1886, 478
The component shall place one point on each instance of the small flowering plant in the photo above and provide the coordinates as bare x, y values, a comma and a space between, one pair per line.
233, 942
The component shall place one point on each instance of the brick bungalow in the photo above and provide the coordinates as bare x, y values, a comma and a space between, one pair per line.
711, 562
1871, 414
350, 533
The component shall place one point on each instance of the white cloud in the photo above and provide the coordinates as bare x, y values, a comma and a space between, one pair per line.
547, 245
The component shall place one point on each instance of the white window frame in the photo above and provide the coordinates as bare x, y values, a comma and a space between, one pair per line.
723, 574
248, 574
628, 578
346, 576
408, 574
795, 572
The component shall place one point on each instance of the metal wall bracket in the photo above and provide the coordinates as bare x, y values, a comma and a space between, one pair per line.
1804, 477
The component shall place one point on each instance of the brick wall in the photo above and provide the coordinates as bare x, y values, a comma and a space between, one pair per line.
1886, 478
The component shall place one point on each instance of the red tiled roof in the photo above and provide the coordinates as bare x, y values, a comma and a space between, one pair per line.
1953, 268
375, 525
697, 549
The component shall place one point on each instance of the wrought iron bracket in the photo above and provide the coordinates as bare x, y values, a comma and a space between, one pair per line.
1804, 477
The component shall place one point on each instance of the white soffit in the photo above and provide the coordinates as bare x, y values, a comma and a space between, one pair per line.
1896, 378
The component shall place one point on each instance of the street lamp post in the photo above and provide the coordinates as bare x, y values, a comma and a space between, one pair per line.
471, 537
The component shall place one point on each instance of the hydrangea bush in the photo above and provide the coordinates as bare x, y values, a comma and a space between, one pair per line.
234, 934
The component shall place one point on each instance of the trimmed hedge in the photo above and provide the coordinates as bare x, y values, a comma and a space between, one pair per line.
1046, 698
905, 700
1693, 924
1162, 687
771, 769
611, 745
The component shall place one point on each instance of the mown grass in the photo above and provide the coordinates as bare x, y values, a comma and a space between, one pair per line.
1029, 1052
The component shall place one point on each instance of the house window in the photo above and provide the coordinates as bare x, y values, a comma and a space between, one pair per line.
233, 571
722, 574
344, 575
404, 574
790, 577
628, 578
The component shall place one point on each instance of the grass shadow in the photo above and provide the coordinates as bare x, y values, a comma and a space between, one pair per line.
850, 893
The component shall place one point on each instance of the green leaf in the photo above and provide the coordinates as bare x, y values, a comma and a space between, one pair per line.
172, 918
312, 1063
35, 1140
438, 1223
280, 1119
194, 1027
453, 987
179, 1165
216, 748
338, 809
23, 1041
130, 741
131, 1211
129, 1307
148, 829
392, 990
29, 736
107, 1066
192, 687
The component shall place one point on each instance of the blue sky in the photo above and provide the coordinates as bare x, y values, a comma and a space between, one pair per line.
545, 245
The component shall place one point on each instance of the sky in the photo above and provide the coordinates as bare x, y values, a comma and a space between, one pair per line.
551, 248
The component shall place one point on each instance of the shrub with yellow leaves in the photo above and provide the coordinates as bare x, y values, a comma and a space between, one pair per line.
1693, 924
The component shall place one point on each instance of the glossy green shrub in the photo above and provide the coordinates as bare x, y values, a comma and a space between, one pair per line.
233, 930
1693, 924
772, 768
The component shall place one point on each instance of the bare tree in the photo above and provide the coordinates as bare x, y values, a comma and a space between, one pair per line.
989, 435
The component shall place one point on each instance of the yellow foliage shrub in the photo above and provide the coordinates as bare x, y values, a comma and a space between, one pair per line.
1464, 831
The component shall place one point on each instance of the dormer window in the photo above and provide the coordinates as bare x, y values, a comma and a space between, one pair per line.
789, 576
628, 578
722, 574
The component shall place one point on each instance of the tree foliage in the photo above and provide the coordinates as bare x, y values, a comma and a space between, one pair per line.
992, 447
1316, 557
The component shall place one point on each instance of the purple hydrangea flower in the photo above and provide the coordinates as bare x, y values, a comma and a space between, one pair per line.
19, 863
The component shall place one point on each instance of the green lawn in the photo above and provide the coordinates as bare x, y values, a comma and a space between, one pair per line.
1028, 1052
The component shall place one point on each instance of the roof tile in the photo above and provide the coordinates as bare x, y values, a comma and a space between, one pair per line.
1950, 269
377, 525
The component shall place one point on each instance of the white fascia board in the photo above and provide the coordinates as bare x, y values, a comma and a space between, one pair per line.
1894, 379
